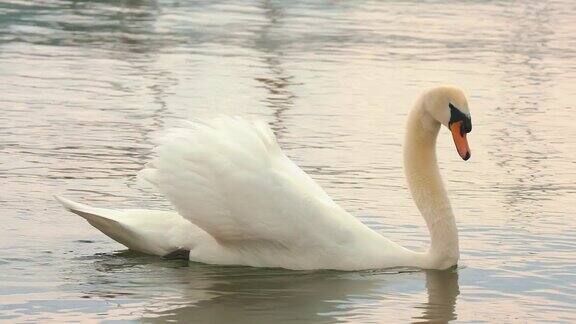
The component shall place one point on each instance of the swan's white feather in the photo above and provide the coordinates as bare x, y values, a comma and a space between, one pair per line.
230, 177
148, 231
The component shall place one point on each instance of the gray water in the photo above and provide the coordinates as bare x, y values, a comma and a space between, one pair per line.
86, 85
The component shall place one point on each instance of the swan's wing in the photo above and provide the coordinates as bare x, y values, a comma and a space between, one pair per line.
230, 177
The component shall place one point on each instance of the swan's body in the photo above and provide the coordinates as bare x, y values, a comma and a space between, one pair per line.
241, 201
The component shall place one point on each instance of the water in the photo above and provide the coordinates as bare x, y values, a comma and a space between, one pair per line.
86, 85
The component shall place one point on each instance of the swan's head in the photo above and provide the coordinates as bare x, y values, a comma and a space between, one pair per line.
448, 105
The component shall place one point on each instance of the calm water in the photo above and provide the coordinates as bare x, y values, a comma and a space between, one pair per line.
86, 85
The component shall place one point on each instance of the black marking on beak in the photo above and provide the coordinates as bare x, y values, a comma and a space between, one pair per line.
457, 115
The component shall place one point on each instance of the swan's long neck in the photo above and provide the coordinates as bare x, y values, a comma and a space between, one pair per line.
427, 189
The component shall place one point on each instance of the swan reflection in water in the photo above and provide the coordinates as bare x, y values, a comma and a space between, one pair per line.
177, 291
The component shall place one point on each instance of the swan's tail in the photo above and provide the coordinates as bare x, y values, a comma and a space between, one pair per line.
85, 211
103, 219
152, 232
98, 217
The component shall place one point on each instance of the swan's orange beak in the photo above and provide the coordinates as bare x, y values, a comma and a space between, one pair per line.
460, 140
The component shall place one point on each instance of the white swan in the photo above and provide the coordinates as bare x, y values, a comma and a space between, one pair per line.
241, 201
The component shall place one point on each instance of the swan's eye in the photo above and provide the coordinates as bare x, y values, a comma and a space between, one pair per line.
456, 115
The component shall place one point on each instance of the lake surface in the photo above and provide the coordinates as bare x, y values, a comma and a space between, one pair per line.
85, 86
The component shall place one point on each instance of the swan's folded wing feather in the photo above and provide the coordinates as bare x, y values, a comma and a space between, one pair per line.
230, 177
